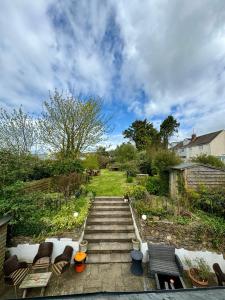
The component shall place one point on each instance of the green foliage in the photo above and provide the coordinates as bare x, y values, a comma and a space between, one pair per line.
153, 185
209, 160
65, 166
201, 265
142, 133
168, 127
146, 207
40, 213
65, 219
91, 162
103, 157
211, 200
182, 220
162, 161
130, 168
130, 179
125, 152
136, 191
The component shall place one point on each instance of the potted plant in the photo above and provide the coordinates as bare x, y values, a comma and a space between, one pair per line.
136, 244
83, 246
198, 271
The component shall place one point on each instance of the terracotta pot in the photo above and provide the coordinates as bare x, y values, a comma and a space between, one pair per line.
136, 244
196, 282
83, 246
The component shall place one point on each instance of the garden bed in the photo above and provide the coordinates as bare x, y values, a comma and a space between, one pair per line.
198, 231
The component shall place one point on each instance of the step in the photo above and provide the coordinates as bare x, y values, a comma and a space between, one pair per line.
108, 198
109, 247
109, 237
108, 258
110, 214
109, 221
109, 228
108, 203
110, 208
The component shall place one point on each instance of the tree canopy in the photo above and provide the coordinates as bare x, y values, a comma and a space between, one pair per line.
168, 127
70, 125
142, 133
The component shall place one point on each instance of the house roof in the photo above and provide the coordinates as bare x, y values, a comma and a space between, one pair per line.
4, 220
210, 293
204, 139
199, 140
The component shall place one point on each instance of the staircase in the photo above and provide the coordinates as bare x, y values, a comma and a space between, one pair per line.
109, 231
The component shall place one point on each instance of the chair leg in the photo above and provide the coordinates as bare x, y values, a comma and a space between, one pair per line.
15, 291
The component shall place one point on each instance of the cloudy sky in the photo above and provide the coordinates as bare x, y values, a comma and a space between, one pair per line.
145, 59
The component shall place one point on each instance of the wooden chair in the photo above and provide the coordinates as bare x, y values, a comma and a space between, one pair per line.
219, 274
42, 260
62, 262
14, 271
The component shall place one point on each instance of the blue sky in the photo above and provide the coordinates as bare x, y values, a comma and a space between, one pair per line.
145, 59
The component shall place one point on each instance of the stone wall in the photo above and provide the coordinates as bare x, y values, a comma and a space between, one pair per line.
3, 233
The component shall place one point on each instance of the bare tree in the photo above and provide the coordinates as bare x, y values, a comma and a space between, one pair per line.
18, 131
70, 125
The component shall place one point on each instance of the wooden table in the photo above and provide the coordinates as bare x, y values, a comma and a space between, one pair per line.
35, 280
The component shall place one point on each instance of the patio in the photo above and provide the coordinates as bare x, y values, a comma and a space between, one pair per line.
115, 277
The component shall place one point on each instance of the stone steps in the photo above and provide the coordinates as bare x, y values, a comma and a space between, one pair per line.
110, 208
109, 228
109, 231
108, 258
109, 237
109, 221
109, 247
108, 203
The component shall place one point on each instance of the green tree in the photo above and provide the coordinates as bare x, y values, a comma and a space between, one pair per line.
143, 134
103, 157
125, 152
70, 125
168, 127
209, 160
91, 162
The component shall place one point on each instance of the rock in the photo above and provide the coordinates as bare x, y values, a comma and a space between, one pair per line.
155, 218
169, 237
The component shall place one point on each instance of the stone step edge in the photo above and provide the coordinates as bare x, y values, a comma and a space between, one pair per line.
109, 223
93, 231
104, 240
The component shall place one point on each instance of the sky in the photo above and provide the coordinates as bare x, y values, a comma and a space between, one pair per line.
144, 59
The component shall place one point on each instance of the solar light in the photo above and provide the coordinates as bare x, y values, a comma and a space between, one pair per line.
75, 214
144, 217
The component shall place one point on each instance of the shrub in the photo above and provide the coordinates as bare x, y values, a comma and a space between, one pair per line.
209, 160
211, 200
162, 161
129, 179
130, 168
153, 185
91, 162
137, 192
146, 207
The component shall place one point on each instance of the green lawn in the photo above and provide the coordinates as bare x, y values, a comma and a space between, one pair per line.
109, 183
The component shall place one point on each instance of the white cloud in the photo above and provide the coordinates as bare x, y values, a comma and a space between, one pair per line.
174, 51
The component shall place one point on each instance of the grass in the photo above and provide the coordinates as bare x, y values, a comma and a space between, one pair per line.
109, 183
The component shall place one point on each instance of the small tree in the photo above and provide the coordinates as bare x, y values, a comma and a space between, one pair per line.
168, 127
70, 125
18, 131
91, 162
125, 152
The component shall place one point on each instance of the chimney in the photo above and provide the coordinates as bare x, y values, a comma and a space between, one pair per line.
193, 137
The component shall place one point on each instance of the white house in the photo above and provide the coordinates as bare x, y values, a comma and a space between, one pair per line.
209, 144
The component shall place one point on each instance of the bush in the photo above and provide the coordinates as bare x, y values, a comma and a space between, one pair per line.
130, 179
91, 162
137, 192
211, 200
162, 161
130, 168
153, 185
146, 207
209, 160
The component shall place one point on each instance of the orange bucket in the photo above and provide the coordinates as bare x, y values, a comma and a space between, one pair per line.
79, 260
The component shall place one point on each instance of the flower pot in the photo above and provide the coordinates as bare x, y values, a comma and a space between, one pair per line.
83, 246
193, 275
136, 244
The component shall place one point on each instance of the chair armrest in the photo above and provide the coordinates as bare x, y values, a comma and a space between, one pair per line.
179, 264
8, 280
23, 265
